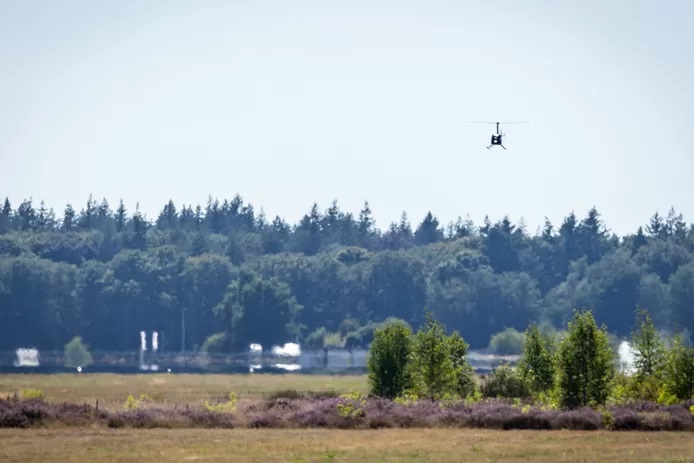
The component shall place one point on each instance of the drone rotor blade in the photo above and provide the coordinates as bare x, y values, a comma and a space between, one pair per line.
489, 122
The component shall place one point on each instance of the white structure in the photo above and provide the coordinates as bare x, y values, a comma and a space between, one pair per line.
27, 358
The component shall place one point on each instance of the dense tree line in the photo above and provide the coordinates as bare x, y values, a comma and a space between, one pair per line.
232, 276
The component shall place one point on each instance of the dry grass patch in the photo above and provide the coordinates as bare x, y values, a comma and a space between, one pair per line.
402, 445
113, 389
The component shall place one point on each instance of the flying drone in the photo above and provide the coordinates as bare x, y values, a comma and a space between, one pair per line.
497, 138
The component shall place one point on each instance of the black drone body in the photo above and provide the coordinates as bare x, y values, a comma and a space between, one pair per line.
497, 138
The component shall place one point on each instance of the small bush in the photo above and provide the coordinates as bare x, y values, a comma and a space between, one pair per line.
30, 393
215, 343
76, 354
131, 403
507, 342
505, 382
351, 405
294, 394
223, 407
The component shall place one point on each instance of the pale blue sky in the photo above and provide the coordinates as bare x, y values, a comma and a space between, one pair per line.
293, 102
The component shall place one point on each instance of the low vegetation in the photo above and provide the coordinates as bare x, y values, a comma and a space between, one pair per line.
350, 411
321, 445
422, 380
169, 390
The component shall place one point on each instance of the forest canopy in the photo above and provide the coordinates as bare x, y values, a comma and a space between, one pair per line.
235, 276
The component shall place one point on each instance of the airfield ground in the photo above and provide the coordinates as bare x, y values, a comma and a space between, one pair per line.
113, 389
98, 443
316, 445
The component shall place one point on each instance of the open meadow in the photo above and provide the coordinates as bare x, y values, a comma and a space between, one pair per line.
112, 390
318, 445
306, 418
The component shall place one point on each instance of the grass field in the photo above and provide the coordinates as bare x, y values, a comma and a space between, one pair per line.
294, 446
113, 389
93, 442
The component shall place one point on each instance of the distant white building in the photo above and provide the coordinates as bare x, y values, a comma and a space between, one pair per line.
27, 357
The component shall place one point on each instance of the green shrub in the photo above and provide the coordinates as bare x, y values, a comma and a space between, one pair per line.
76, 354
679, 370
507, 342
31, 393
223, 407
214, 343
505, 382
351, 404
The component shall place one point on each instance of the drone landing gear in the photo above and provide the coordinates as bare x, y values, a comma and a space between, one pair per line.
496, 144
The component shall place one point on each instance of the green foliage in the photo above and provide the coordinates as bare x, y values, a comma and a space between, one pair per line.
505, 381
627, 388
333, 340
32, 393
214, 343
348, 325
679, 371
473, 398
648, 348
131, 403
549, 400
507, 342
316, 339
223, 407
407, 398
237, 271
585, 363
351, 404
353, 340
429, 364
388, 360
607, 419
260, 310
536, 366
432, 368
76, 354
465, 375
